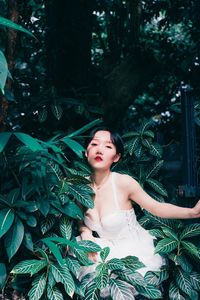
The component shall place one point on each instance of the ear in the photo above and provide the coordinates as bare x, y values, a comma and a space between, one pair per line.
117, 157
86, 155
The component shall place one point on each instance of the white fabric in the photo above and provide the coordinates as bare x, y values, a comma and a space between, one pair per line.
124, 235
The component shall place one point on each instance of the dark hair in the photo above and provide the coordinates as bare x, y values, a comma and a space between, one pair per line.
115, 138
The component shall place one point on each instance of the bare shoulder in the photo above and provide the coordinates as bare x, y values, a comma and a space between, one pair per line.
125, 180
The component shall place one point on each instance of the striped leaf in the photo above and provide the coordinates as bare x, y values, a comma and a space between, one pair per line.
145, 125
82, 257
89, 246
138, 152
195, 280
31, 266
115, 264
82, 194
147, 143
133, 145
53, 293
6, 220
149, 133
62, 274
183, 281
166, 245
38, 288
57, 111
73, 265
151, 278
104, 253
65, 228
161, 222
102, 276
132, 277
175, 293
157, 186
156, 150
153, 170
184, 262
42, 115
190, 231
132, 263
120, 290
3, 69
157, 233
92, 292
47, 223
149, 291
170, 233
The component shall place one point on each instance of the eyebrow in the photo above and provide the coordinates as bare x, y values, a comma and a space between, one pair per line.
106, 141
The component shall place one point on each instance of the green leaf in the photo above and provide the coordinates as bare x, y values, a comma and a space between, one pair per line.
133, 145
6, 220
149, 291
31, 221
31, 266
70, 209
73, 265
65, 228
183, 261
132, 262
92, 292
183, 281
57, 111
3, 275
82, 194
54, 250
47, 223
14, 237
157, 233
104, 253
4, 137
170, 233
74, 146
38, 288
82, 257
195, 280
42, 115
28, 242
89, 246
130, 276
190, 231
53, 293
174, 292
161, 222
156, 150
149, 133
102, 276
62, 274
12, 25
157, 186
153, 170
191, 248
120, 291
3, 73
29, 141
166, 245
151, 278
115, 264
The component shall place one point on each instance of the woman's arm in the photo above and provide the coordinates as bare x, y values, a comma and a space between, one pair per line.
163, 210
85, 232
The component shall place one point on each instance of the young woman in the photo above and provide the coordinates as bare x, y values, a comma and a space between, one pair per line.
113, 217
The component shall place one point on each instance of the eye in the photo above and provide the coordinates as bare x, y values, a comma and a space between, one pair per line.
109, 147
93, 144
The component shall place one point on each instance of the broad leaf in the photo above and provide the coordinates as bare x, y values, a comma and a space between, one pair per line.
14, 237
170, 233
4, 137
85, 128
65, 228
92, 292
89, 246
102, 276
29, 141
191, 248
149, 291
156, 150
73, 265
195, 280
190, 231
166, 245
115, 264
175, 293
154, 169
132, 263
3, 75
157, 186
62, 274
183, 281
157, 233
104, 253
6, 220
74, 146
31, 266
120, 290
57, 111
47, 223
53, 293
82, 194
38, 288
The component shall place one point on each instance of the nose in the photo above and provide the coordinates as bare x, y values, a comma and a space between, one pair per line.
100, 149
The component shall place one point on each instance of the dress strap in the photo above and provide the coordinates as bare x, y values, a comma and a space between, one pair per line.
114, 191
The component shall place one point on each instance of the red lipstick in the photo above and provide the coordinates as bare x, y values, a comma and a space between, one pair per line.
98, 158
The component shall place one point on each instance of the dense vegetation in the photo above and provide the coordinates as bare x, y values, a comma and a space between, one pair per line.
76, 63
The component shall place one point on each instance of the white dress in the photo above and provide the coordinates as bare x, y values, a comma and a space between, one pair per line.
124, 235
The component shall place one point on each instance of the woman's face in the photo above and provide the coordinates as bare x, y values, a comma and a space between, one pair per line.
101, 152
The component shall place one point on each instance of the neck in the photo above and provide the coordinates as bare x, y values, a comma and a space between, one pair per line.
99, 178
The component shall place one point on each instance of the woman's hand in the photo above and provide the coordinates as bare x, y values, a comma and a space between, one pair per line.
196, 210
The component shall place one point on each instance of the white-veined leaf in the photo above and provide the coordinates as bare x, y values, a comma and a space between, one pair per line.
149, 291
115, 264
89, 246
38, 288
156, 150
62, 274
74, 146
73, 265
102, 276
195, 280
42, 115
81, 194
153, 170
183, 281
191, 248
157, 233
31, 266
166, 245
53, 293
65, 228
157, 186
104, 253
47, 223
3, 70
120, 290
57, 111
170, 233
133, 144
92, 292
190, 231
175, 293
